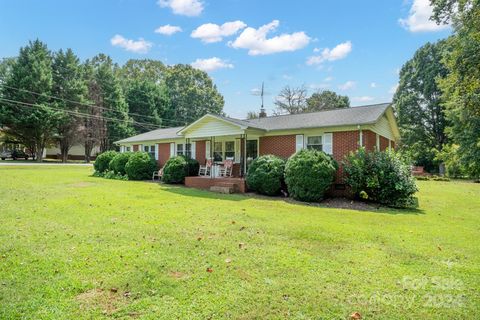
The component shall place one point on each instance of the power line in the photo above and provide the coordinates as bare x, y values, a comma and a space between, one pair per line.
85, 104
84, 115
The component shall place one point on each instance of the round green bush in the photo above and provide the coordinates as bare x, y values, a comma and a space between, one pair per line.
192, 167
175, 170
102, 161
117, 164
140, 166
265, 175
383, 176
308, 174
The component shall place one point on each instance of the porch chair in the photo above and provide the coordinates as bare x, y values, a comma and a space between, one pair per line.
157, 174
227, 169
204, 170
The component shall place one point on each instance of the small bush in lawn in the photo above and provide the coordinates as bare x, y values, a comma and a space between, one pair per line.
117, 164
103, 160
265, 175
308, 174
140, 166
109, 174
383, 176
175, 170
192, 167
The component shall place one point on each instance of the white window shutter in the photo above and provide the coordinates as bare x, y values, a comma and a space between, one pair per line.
298, 142
193, 148
140, 147
156, 151
237, 151
207, 149
327, 143
172, 149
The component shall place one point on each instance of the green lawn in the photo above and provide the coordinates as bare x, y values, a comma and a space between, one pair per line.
75, 246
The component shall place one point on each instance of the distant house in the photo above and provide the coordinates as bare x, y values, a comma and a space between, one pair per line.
76, 152
336, 132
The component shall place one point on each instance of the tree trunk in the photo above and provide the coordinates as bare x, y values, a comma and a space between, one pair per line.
88, 151
39, 154
64, 149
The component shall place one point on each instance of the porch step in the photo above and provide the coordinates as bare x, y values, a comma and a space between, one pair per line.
222, 189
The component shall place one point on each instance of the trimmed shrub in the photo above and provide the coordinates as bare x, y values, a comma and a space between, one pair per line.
117, 164
382, 176
109, 174
265, 175
175, 170
103, 160
192, 167
308, 174
140, 166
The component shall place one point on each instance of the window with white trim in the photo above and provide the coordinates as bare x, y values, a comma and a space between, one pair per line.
150, 150
184, 149
229, 149
218, 151
315, 142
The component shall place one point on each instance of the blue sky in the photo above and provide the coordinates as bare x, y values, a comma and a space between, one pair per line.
352, 47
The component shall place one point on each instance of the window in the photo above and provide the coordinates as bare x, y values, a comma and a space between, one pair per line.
229, 149
315, 143
150, 150
218, 151
252, 150
179, 149
188, 150
128, 149
184, 149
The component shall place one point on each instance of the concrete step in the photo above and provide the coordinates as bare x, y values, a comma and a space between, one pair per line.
222, 189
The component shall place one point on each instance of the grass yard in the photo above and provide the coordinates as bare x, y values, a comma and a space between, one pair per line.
75, 246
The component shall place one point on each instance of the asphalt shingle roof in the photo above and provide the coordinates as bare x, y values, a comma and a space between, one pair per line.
330, 118
158, 134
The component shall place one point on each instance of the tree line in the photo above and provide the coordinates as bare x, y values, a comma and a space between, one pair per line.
53, 98
438, 98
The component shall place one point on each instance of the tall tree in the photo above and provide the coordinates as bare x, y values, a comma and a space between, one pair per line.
70, 89
192, 94
144, 69
461, 88
417, 101
327, 100
30, 118
291, 100
109, 101
148, 103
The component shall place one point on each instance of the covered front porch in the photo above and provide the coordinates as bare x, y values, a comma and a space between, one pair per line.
220, 184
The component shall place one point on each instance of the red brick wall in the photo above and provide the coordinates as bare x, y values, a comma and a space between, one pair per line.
135, 147
200, 151
343, 143
282, 146
369, 140
383, 143
163, 153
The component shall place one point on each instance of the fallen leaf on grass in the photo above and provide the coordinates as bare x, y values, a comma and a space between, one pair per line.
210, 270
241, 245
355, 316
228, 260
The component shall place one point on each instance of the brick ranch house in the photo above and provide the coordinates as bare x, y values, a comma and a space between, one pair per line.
336, 132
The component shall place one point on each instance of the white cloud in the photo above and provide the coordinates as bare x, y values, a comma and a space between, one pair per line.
347, 85
168, 30
211, 32
363, 99
139, 46
257, 43
393, 89
287, 77
418, 19
340, 51
211, 64
328, 79
190, 8
319, 86
373, 85
316, 50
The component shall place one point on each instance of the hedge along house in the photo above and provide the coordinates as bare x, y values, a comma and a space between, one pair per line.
336, 132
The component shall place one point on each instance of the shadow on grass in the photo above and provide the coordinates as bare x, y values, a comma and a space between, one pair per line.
330, 203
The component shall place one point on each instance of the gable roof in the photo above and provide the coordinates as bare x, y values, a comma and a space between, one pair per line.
329, 118
363, 115
158, 134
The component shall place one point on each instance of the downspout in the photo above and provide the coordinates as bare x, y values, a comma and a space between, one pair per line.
361, 136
